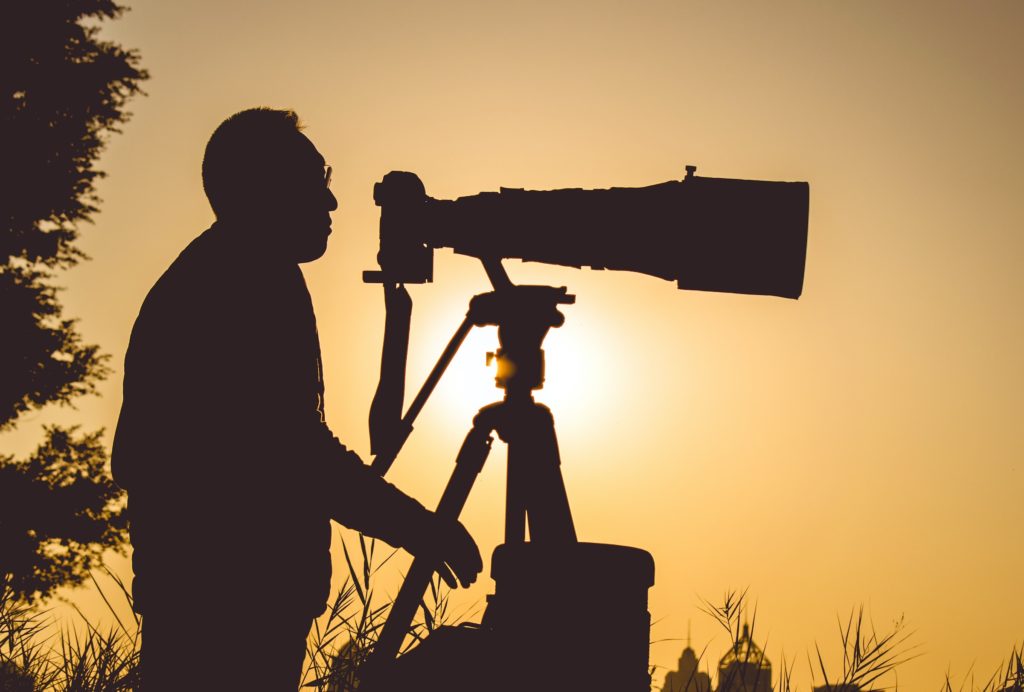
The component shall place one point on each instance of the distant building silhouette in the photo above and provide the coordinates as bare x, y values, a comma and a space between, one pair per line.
744, 667
687, 678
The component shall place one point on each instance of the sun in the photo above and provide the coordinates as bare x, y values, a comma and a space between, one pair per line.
575, 355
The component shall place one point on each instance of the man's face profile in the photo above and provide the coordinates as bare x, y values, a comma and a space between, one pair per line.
261, 174
293, 204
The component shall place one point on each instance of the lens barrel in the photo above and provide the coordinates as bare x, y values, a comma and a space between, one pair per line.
706, 234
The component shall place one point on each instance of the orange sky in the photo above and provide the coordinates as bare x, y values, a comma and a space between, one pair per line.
860, 445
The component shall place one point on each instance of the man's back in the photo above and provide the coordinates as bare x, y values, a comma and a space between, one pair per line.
222, 404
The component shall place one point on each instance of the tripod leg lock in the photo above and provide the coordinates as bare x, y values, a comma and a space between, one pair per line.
474, 450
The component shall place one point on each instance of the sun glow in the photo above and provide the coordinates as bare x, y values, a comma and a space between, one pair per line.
576, 365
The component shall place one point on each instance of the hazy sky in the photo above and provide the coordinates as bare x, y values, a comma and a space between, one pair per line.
860, 445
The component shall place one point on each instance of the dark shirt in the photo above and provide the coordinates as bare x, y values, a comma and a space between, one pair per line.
231, 471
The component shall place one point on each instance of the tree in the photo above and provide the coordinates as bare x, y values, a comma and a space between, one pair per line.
63, 93
60, 512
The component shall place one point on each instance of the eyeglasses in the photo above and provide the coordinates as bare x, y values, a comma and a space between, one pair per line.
327, 176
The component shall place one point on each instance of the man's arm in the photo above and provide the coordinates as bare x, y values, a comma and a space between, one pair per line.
360, 499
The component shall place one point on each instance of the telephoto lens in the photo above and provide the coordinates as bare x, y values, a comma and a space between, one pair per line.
706, 234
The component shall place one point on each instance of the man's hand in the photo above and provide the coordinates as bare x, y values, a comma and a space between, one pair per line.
447, 541
460, 555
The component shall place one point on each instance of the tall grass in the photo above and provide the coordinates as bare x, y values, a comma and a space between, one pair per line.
1007, 677
344, 636
731, 615
37, 654
35, 657
867, 656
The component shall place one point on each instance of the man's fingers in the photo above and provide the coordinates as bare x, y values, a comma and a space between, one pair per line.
466, 559
472, 565
467, 577
458, 557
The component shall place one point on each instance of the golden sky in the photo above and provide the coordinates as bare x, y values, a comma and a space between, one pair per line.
861, 445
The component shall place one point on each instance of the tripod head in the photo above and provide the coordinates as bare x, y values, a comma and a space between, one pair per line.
523, 316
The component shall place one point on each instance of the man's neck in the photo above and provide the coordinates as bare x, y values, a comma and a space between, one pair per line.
252, 239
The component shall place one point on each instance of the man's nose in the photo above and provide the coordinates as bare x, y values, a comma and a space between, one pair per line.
332, 202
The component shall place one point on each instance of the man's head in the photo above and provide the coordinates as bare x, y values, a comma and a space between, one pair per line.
261, 172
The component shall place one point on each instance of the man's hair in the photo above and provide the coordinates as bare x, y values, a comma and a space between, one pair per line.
241, 148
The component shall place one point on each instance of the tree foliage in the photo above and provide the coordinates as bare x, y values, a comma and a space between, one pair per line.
44, 359
60, 512
63, 91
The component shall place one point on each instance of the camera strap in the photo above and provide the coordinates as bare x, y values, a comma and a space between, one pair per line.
388, 400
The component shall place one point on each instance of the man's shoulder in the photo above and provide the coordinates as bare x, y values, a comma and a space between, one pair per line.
196, 262
200, 273
217, 276
189, 284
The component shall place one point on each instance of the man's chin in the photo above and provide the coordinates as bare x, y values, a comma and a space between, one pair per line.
312, 251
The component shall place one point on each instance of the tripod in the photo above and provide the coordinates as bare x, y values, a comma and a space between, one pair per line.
601, 589
535, 493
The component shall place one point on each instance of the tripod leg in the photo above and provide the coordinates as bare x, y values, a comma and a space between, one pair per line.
536, 490
468, 465
548, 505
517, 488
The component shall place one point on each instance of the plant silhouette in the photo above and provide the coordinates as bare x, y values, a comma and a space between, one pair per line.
64, 92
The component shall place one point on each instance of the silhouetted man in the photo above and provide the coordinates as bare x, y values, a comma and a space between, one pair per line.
232, 474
